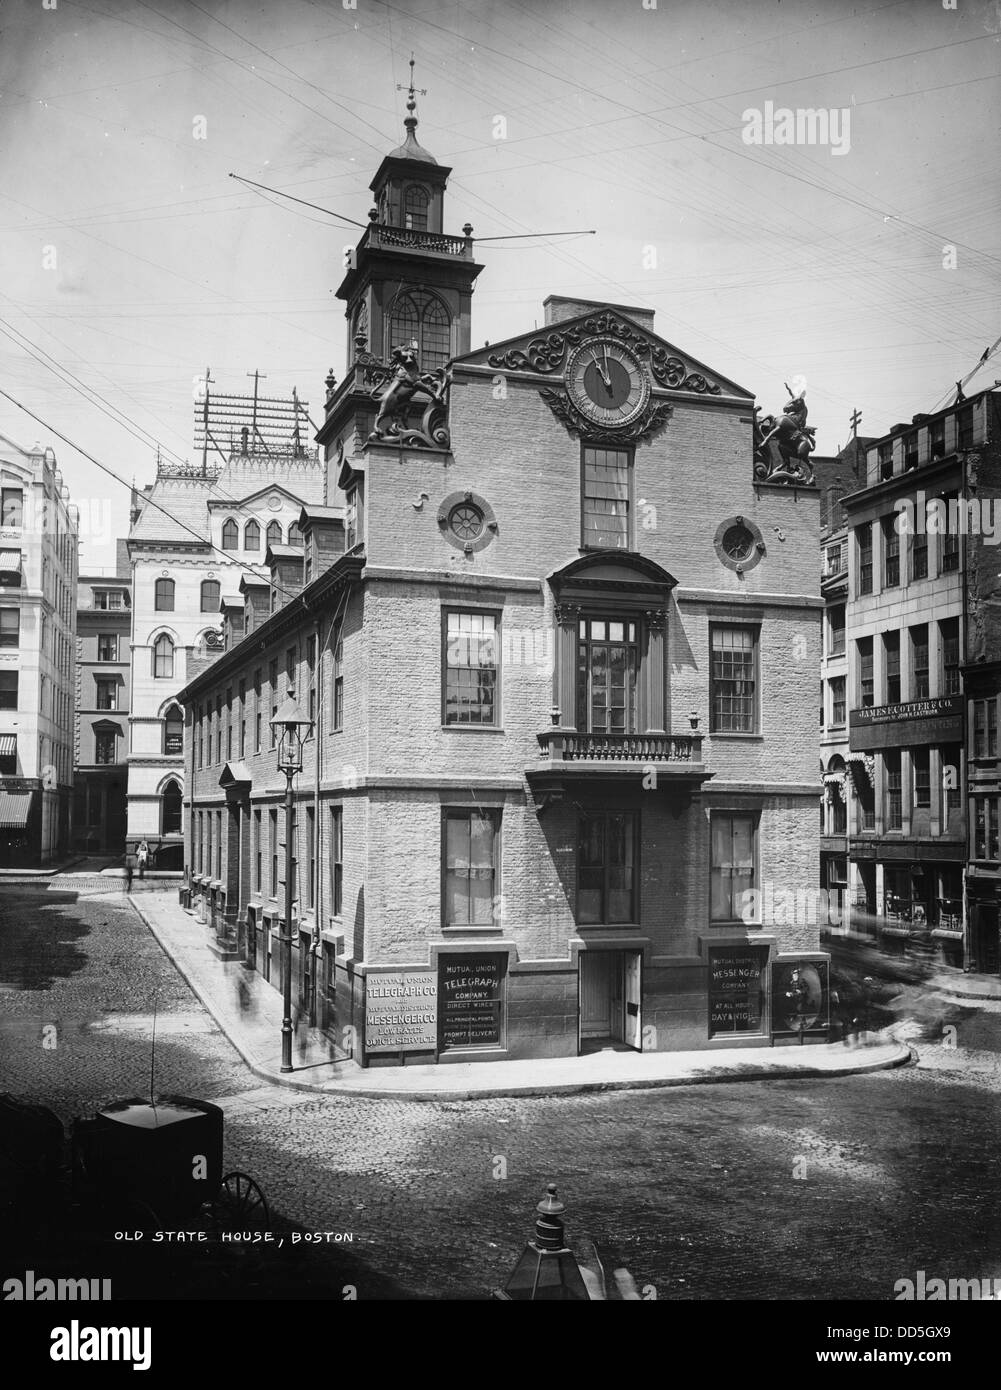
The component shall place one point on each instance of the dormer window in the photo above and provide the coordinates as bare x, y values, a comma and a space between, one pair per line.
274, 533
230, 535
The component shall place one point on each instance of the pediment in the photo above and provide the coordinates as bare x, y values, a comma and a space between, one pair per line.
612, 570
545, 353
255, 500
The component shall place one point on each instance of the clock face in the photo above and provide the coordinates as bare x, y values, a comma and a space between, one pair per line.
607, 383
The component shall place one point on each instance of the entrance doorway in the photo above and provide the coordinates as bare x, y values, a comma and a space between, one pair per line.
610, 994
985, 941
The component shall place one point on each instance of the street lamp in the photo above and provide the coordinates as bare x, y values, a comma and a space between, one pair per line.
290, 724
547, 1270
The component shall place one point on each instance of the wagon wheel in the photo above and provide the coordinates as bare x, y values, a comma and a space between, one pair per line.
239, 1205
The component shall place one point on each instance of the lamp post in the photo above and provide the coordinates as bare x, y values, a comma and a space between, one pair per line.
546, 1270
290, 723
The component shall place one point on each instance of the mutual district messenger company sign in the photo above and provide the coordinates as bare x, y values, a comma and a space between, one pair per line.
401, 1011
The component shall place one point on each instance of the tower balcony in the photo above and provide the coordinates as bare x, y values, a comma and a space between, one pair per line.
378, 236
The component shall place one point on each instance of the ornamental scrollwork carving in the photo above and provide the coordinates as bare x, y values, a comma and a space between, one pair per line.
655, 619
645, 427
549, 351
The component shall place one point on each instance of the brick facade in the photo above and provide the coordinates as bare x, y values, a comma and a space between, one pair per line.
385, 759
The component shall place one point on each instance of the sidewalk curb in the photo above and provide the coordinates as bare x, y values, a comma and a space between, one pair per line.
903, 1054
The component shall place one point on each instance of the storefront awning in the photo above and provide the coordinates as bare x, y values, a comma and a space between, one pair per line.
14, 810
8, 745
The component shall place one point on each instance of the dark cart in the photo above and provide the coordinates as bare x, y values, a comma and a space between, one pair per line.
137, 1164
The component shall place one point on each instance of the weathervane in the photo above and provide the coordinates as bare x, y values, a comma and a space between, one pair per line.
412, 92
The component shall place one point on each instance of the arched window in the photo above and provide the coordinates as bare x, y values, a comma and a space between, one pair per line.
415, 209
173, 731
294, 534
274, 533
163, 598
230, 535
251, 536
163, 657
420, 318
170, 804
211, 593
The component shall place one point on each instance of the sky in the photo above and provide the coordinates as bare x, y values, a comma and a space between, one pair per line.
862, 268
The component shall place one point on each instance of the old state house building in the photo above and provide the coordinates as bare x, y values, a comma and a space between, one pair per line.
558, 635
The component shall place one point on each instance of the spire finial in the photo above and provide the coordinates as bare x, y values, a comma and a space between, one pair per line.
412, 95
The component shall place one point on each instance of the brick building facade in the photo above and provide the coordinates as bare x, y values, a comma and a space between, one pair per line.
38, 574
560, 645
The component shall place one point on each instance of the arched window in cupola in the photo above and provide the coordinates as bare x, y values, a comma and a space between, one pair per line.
421, 318
415, 208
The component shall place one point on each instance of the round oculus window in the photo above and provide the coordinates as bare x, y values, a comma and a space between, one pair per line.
738, 542
465, 521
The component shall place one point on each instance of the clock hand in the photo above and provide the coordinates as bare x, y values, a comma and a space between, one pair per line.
602, 373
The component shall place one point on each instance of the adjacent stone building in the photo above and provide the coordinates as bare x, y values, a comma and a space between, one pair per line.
195, 533
103, 690
558, 632
38, 575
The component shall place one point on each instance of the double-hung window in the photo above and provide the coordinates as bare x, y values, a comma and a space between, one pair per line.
891, 552
920, 687
863, 544
733, 679
471, 854
471, 667
605, 498
732, 865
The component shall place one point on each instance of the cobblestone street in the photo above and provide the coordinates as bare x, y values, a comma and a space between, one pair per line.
807, 1189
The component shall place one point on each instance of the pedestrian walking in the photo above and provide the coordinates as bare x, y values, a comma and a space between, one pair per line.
130, 865
142, 855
